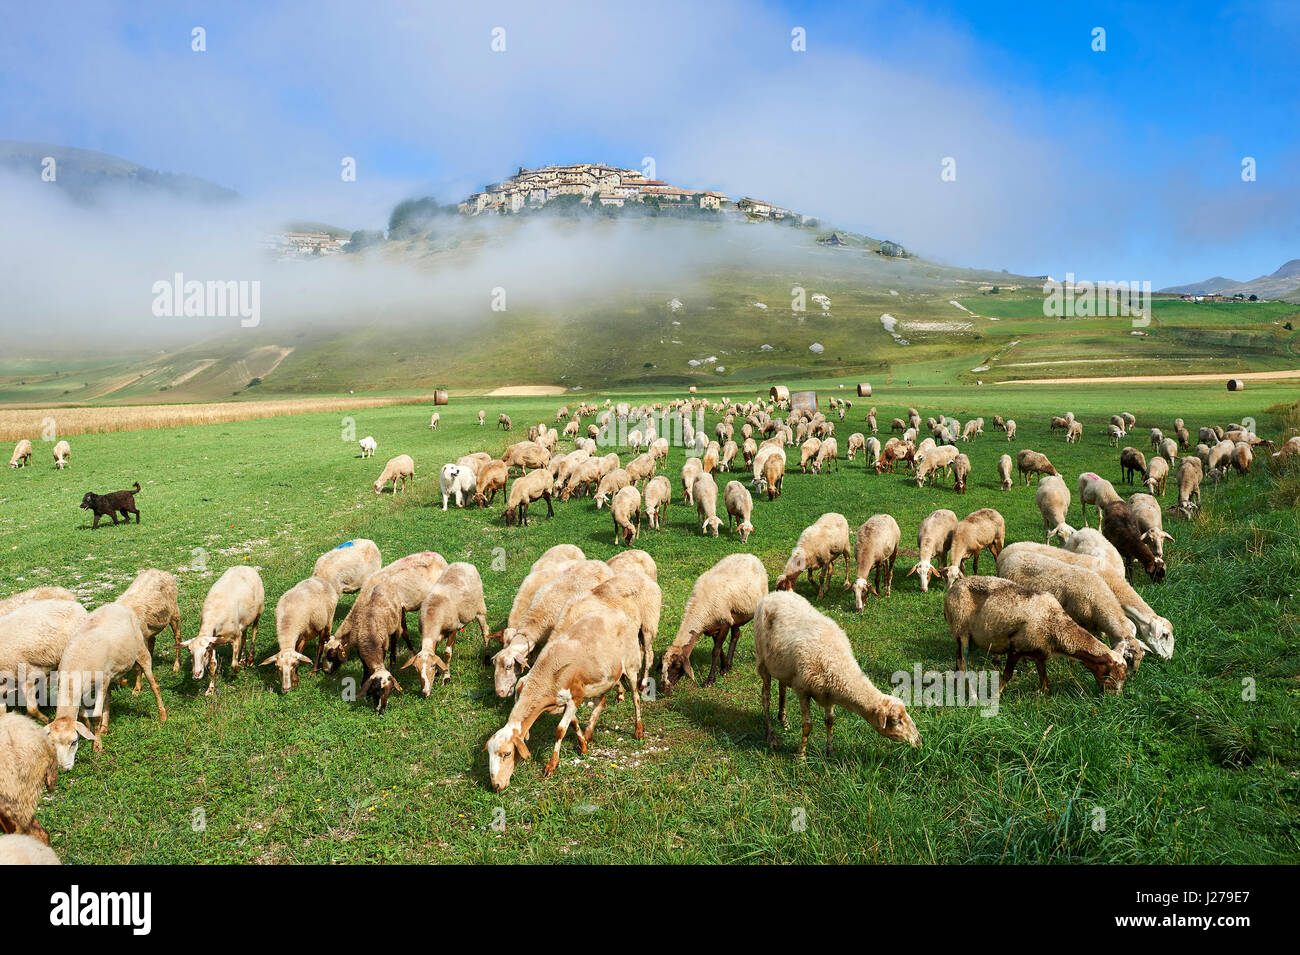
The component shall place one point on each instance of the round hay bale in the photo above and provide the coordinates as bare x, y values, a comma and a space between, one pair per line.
440, 396
779, 393
1236, 384
804, 401
864, 389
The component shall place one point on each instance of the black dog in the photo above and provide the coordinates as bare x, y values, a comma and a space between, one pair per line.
109, 505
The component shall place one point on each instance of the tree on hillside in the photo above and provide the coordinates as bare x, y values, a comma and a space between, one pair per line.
412, 217
364, 239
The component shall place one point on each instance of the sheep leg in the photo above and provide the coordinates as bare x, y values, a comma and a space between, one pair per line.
144, 663
1009, 670
847, 568
1040, 661
550, 511
765, 681
570, 713
29, 693
584, 736
805, 708
719, 637
829, 716
451, 643
249, 656
780, 710
731, 650
636, 704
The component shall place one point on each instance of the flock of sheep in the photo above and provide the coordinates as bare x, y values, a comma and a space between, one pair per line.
579, 628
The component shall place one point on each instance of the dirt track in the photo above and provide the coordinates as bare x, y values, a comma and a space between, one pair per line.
1155, 379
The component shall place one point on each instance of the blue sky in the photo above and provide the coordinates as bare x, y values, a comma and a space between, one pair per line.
1122, 164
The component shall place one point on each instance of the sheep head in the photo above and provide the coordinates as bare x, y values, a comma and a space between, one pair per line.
676, 662
427, 664
891, 720
744, 528
286, 662
507, 664
925, 572
505, 746
66, 734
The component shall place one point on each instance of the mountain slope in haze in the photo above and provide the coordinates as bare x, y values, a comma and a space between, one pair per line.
87, 175
1283, 284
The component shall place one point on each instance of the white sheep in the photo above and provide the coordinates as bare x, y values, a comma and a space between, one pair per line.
933, 539
22, 455
821, 544
155, 598
349, 565
458, 482
625, 509
740, 507
1053, 499
24, 850
723, 599
12, 603
658, 495
231, 612
27, 768
397, 470
809, 653
1097, 491
32, 641
704, 491
875, 548
434, 420
596, 655
1090, 541
304, 612
1151, 522
62, 455
368, 446
455, 600
106, 644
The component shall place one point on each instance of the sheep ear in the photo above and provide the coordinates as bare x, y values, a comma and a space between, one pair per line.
302, 658
1167, 536
270, 659
85, 731
520, 747
912, 571
409, 660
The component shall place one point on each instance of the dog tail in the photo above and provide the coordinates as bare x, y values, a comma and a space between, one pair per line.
137, 488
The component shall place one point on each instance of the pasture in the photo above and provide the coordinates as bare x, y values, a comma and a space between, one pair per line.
1182, 766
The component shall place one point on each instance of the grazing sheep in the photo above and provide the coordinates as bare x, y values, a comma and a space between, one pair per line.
62, 455
723, 599
769, 466
536, 620
1053, 499
597, 654
872, 450
1242, 457
961, 468
704, 491
818, 547
1113, 434
1011, 429
231, 611
377, 622
476, 461
155, 599
10, 604
933, 539
1081, 593
634, 559
482, 417
404, 584
1095, 490
349, 565
1169, 451
981, 529
1157, 474
25, 850
1157, 436
828, 451
658, 495
504, 422
1147, 511
641, 468
456, 482
808, 652
875, 548
729, 452
1093, 543
1132, 462
304, 612
808, 453
611, 484
1121, 528
22, 455
937, 459
368, 446
526, 456
740, 506
107, 643
1004, 472
449, 606
1003, 617
857, 442
626, 508
397, 470
434, 420
1031, 462
32, 640
690, 470
629, 592
27, 767
533, 486
491, 479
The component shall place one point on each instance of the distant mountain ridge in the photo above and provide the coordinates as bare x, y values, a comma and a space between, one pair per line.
86, 174
1282, 284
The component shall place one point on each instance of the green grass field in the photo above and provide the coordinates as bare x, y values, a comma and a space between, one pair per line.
1184, 768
